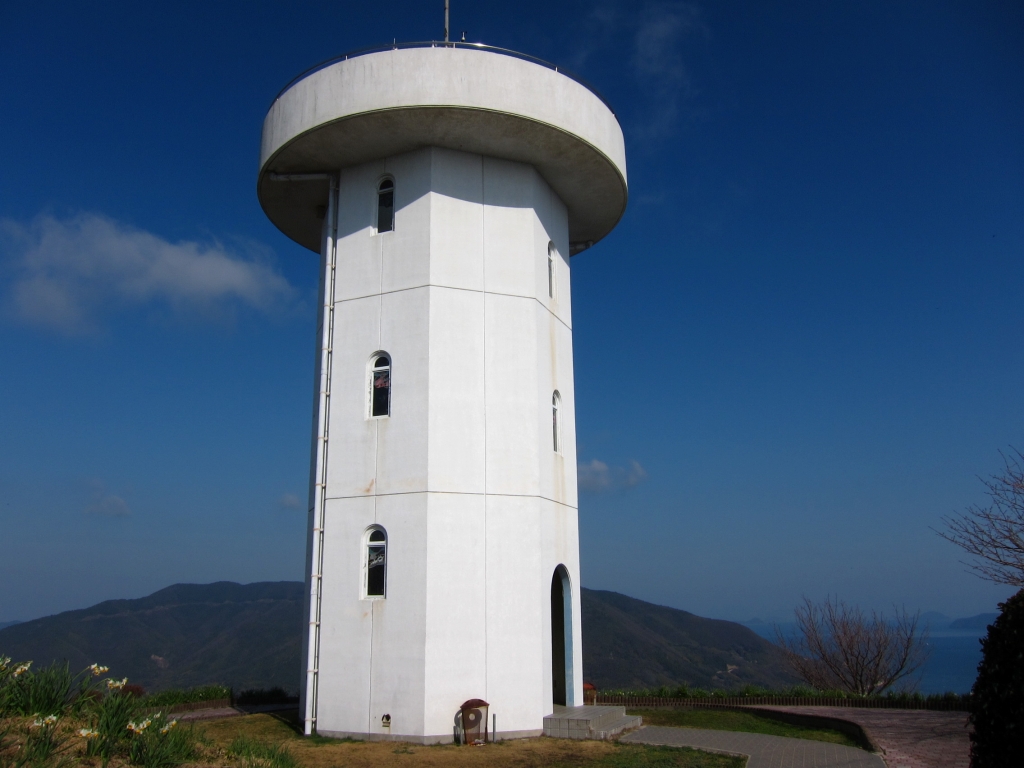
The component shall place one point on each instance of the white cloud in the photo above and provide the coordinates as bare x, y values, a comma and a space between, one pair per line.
658, 60
596, 476
67, 274
289, 501
105, 504
657, 37
635, 474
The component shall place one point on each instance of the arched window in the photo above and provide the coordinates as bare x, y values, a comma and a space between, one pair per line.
376, 568
556, 421
551, 270
386, 206
380, 386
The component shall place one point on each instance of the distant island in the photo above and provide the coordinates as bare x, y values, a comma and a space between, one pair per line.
981, 621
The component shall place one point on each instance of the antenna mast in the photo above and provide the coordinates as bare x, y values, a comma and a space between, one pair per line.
446, 21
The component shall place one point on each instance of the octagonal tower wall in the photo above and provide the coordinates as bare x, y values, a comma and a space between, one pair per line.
478, 507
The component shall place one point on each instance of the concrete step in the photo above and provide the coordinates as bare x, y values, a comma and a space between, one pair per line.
589, 722
619, 726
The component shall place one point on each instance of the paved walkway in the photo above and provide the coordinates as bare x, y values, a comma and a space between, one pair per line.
763, 751
208, 714
908, 738
243, 709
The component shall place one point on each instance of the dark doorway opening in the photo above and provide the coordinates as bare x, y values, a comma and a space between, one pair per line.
558, 637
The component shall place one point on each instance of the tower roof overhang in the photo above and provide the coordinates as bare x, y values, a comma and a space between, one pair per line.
475, 100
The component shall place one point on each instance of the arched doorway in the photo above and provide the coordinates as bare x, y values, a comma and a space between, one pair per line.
561, 638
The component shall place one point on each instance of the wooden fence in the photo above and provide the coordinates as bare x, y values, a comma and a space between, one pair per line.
654, 702
190, 706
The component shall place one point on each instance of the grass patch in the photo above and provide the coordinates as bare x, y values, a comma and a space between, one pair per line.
260, 754
644, 756
731, 720
281, 732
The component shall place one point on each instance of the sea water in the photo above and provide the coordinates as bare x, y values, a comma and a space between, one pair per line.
952, 663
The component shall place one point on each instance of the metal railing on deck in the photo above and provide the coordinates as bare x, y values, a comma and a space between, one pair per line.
441, 44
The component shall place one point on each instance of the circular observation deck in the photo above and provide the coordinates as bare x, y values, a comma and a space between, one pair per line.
457, 96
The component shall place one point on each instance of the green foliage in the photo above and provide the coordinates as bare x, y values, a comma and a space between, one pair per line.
113, 711
52, 690
47, 691
189, 696
157, 742
111, 715
997, 701
251, 753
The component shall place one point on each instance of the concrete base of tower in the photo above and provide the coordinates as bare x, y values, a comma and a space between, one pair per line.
424, 740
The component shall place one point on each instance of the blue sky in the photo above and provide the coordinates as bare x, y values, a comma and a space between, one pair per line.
799, 349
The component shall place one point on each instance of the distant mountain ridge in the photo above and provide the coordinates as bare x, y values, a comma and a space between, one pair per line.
629, 643
243, 635
249, 636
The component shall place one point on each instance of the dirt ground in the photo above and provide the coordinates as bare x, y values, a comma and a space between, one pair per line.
518, 753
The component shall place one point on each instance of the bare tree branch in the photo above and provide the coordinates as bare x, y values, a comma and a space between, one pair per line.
838, 647
995, 534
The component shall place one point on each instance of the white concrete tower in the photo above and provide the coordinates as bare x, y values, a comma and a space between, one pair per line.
445, 187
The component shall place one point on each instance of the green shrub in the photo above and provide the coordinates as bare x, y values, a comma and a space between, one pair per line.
997, 701
257, 696
257, 754
190, 696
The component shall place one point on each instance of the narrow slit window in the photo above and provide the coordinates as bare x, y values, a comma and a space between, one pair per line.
551, 270
380, 387
376, 563
556, 436
386, 206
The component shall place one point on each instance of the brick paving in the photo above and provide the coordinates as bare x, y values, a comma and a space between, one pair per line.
908, 738
763, 751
